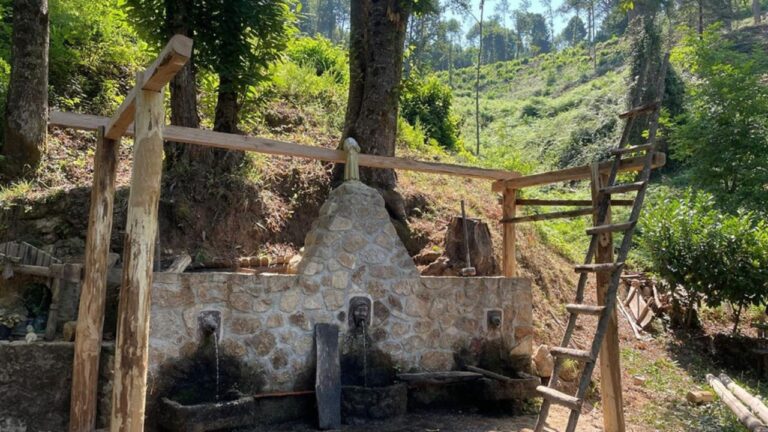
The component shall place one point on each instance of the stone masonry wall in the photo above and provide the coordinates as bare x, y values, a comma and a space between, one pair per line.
268, 320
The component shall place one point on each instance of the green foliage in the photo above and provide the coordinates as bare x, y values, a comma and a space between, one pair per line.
723, 137
689, 242
428, 101
574, 32
319, 53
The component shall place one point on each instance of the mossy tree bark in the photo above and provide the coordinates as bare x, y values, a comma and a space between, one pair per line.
26, 112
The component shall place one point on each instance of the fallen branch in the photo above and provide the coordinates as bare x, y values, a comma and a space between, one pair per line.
635, 328
745, 417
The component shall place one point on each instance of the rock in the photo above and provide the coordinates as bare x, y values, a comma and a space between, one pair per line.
569, 371
69, 331
544, 361
639, 380
699, 397
293, 264
426, 257
480, 246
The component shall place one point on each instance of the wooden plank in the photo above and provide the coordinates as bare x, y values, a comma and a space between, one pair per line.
577, 173
642, 109
489, 374
563, 203
170, 60
282, 148
328, 376
439, 377
509, 257
745, 417
53, 311
610, 360
90, 321
548, 216
131, 355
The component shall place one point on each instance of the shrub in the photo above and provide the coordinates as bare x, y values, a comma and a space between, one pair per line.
321, 55
717, 256
428, 102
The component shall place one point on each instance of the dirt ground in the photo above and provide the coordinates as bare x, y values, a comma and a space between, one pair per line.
462, 422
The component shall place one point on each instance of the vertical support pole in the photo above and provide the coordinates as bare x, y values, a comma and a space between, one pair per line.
508, 210
90, 321
610, 361
131, 354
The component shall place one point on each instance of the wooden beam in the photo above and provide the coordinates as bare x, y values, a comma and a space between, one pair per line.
756, 405
282, 148
575, 203
742, 412
577, 173
509, 257
132, 349
90, 317
610, 360
170, 60
67, 272
548, 216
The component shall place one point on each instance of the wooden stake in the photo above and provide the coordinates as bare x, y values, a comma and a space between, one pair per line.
610, 364
508, 250
90, 322
131, 356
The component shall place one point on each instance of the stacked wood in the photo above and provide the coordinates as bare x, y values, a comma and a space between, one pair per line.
734, 404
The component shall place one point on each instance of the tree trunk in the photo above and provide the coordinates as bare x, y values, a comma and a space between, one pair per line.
477, 83
26, 112
700, 27
377, 36
756, 11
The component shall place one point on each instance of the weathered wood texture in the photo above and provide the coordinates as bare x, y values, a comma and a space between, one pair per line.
745, 417
173, 57
282, 148
509, 259
328, 376
90, 321
548, 216
755, 404
610, 361
575, 203
576, 173
131, 356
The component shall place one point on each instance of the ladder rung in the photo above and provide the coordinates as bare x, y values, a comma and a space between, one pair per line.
621, 188
631, 149
624, 226
572, 353
642, 109
594, 268
561, 398
583, 309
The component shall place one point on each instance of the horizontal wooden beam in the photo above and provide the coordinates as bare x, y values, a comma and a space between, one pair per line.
577, 173
576, 203
282, 148
548, 216
67, 272
170, 60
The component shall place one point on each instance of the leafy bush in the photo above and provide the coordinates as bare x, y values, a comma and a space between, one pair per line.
321, 55
717, 256
428, 102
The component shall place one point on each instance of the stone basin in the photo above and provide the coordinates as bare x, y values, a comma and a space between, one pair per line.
244, 411
360, 404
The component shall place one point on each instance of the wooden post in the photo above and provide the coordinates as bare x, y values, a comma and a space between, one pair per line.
508, 250
610, 365
90, 321
131, 354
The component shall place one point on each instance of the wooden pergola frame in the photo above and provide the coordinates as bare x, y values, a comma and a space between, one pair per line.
143, 107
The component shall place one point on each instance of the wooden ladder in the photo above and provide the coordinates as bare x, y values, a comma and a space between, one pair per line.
601, 204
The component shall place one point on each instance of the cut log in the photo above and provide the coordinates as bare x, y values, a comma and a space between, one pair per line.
755, 404
328, 376
480, 246
180, 263
745, 417
699, 396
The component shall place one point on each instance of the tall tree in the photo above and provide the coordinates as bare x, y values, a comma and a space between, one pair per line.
574, 32
376, 44
26, 112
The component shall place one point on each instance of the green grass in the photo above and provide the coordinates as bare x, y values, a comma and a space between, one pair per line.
15, 190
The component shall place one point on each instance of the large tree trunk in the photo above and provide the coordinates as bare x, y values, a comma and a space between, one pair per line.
377, 34
756, 11
26, 112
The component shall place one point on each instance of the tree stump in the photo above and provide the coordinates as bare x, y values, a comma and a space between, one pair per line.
480, 246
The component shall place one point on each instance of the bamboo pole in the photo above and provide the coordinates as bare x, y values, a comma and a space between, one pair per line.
755, 404
745, 417
610, 360
131, 356
90, 322
508, 250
